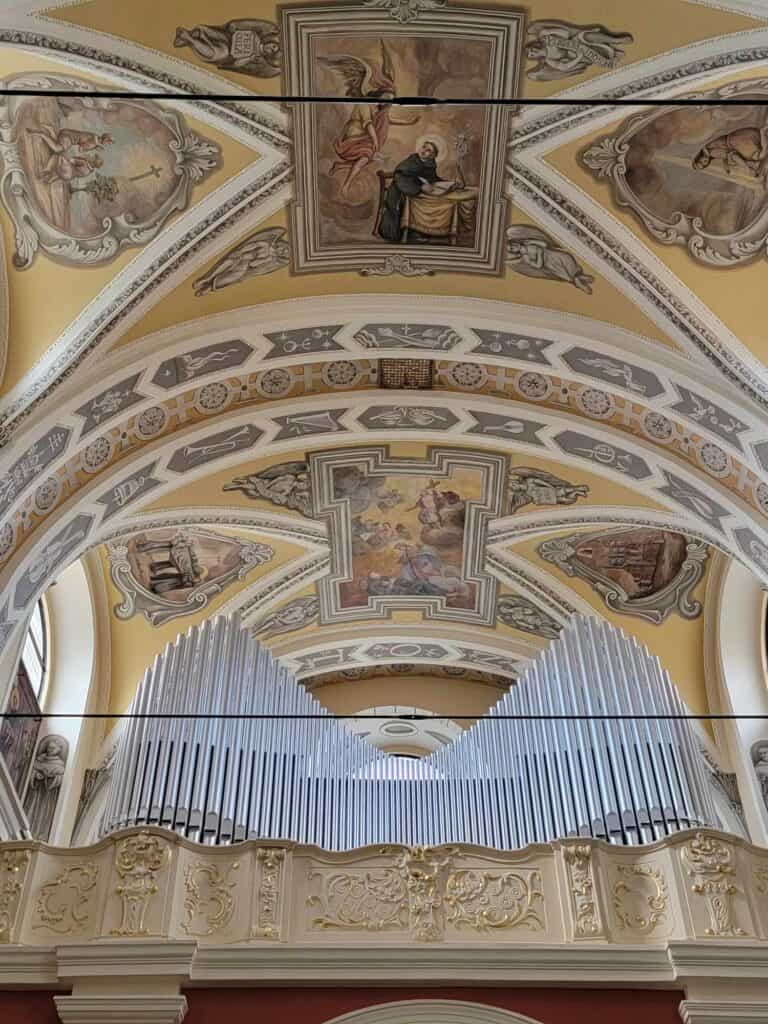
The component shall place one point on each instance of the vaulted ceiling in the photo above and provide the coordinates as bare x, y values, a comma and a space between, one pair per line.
408, 385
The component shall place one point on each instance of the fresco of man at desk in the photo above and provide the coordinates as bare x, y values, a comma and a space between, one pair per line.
399, 174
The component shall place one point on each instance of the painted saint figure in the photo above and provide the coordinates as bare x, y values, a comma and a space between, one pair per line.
248, 46
367, 127
415, 176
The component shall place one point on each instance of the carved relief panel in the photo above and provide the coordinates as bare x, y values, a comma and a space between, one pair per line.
139, 889
67, 896
641, 897
717, 888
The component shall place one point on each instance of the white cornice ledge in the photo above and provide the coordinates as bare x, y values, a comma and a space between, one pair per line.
116, 957
488, 963
121, 1009
723, 1013
730, 958
27, 965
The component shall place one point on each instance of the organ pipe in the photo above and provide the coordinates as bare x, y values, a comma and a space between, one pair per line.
590, 741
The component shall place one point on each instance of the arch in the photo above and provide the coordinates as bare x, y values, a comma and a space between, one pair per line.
432, 1011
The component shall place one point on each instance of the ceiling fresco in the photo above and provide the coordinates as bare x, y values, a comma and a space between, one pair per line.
407, 384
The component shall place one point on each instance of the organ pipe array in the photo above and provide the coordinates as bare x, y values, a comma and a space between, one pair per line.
257, 757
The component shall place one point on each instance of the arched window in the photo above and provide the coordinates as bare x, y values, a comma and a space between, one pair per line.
34, 654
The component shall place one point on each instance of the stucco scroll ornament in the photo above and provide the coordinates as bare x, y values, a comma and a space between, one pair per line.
138, 862
270, 866
405, 10
85, 176
62, 903
397, 264
13, 870
494, 899
376, 900
578, 862
710, 864
706, 193
640, 897
208, 900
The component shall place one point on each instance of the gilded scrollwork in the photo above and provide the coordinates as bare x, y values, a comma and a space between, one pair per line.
62, 904
494, 899
373, 900
208, 900
423, 868
710, 863
640, 897
138, 862
270, 863
578, 861
13, 870
409, 895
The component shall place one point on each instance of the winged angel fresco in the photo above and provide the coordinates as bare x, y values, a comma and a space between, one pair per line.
366, 129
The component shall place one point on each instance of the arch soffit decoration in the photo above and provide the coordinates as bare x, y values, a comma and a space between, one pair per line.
137, 65
432, 1011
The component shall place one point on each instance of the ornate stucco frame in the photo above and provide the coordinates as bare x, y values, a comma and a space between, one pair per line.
159, 610
439, 463
195, 158
675, 596
300, 25
606, 158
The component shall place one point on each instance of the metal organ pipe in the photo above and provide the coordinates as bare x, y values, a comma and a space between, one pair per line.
511, 779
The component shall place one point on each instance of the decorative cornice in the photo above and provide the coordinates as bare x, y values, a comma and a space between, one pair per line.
121, 1009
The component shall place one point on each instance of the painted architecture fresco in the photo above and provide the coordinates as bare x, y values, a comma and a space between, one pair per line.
644, 571
169, 573
85, 176
695, 175
377, 180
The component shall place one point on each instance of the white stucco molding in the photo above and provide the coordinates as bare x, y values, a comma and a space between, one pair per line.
432, 1011
723, 1012
121, 1008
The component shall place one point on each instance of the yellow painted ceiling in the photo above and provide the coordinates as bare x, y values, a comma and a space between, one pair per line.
48, 298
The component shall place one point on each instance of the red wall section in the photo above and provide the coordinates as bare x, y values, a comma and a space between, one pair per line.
28, 1008
316, 1005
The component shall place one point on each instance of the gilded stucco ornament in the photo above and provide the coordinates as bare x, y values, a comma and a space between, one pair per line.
13, 870
62, 905
710, 863
208, 900
485, 900
586, 913
640, 897
138, 861
270, 868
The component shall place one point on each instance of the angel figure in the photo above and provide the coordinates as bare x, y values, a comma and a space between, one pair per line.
561, 50
262, 252
532, 252
367, 127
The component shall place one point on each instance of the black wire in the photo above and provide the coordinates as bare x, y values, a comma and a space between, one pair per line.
402, 717
403, 101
